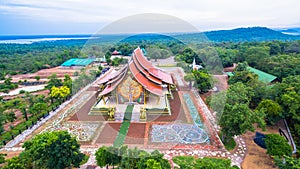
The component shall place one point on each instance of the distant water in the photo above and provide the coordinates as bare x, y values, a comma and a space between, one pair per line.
29, 39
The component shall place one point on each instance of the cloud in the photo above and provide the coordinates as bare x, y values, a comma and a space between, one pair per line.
205, 14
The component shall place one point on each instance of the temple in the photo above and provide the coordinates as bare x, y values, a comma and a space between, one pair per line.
138, 83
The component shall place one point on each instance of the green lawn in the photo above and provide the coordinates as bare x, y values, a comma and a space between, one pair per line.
124, 127
128, 113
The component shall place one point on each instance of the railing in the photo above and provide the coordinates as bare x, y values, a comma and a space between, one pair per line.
290, 137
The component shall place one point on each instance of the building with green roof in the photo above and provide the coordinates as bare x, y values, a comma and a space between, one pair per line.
77, 62
263, 76
229, 74
144, 51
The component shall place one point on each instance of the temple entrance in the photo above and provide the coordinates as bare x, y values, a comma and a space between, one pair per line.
138, 84
130, 92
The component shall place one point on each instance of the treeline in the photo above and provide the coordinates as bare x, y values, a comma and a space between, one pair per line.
278, 58
21, 59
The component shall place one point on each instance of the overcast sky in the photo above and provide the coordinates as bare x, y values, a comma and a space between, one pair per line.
88, 16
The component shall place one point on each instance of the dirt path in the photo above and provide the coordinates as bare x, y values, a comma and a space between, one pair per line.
256, 157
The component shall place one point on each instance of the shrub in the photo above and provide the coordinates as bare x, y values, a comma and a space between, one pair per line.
189, 162
277, 145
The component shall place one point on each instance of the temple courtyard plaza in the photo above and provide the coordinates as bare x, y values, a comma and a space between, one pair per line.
188, 128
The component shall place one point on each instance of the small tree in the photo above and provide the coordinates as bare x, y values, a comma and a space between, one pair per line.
153, 164
203, 80
53, 150
110, 155
68, 81
14, 163
272, 109
11, 116
102, 157
277, 145
287, 162
237, 117
189, 78
38, 108
37, 78
60, 93
100, 68
53, 81
2, 159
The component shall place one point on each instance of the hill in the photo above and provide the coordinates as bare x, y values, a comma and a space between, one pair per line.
243, 34
249, 34
234, 35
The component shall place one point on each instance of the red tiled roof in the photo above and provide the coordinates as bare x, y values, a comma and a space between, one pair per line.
113, 84
120, 75
160, 74
109, 76
150, 77
145, 72
115, 52
147, 84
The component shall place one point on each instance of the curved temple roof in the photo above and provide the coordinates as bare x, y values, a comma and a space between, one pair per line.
150, 77
146, 83
113, 83
154, 71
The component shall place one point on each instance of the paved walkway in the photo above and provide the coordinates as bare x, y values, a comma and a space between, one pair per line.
135, 115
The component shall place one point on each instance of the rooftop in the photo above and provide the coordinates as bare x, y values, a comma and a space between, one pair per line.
262, 76
150, 77
77, 62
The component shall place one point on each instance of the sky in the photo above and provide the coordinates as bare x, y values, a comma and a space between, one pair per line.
90, 16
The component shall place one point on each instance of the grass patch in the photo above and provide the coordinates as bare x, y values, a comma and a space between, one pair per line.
85, 159
229, 144
128, 113
167, 65
124, 127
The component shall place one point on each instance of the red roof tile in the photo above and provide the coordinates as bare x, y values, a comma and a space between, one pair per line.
145, 72
154, 71
150, 77
148, 85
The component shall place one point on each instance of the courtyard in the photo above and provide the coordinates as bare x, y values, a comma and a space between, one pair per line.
189, 130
